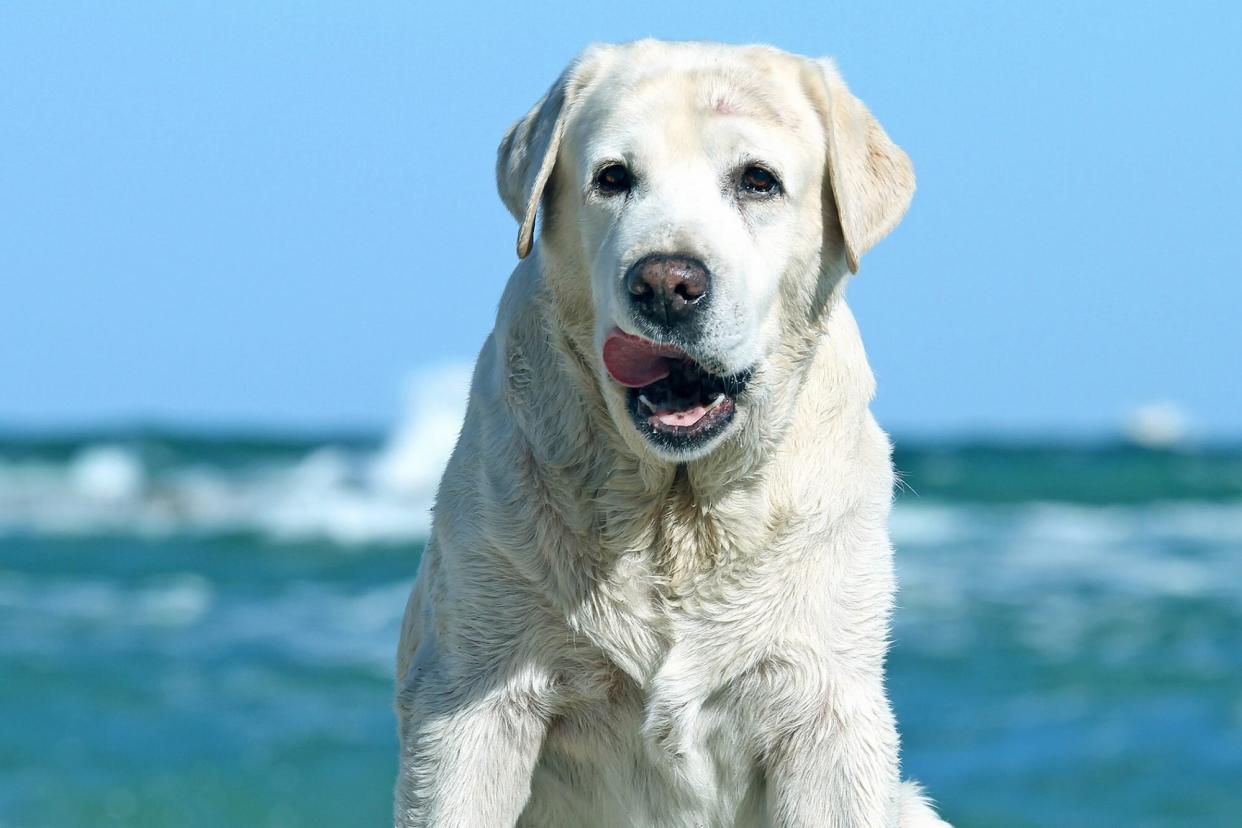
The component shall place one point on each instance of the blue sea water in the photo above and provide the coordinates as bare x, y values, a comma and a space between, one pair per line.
199, 630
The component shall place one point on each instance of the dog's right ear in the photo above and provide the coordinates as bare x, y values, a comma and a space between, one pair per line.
527, 155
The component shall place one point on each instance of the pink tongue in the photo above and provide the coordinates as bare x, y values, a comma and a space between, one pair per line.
682, 418
635, 362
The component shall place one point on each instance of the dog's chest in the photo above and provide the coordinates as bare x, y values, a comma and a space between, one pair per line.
655, 729
668, 754
655, 722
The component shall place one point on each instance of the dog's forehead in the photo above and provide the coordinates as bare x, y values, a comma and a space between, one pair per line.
725, 89
671, 96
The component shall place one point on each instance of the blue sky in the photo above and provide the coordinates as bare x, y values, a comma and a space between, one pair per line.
276, 213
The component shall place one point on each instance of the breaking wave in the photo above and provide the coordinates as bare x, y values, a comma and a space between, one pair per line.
351, 489
348, 489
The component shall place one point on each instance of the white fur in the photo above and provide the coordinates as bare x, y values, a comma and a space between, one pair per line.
607, 634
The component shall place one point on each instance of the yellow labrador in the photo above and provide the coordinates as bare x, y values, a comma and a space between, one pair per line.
658, 586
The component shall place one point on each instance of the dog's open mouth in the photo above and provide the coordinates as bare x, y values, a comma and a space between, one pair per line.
674, 401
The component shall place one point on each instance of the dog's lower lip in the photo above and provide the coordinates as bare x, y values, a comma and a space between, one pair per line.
686, 408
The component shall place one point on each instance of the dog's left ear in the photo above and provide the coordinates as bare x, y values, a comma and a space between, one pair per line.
872, 179
527, 154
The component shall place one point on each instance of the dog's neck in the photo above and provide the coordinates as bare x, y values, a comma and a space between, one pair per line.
640, 502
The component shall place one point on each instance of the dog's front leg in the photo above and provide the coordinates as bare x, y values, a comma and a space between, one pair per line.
466, 758
837, 767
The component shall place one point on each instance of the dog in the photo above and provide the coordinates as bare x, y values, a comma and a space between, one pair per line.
659, 579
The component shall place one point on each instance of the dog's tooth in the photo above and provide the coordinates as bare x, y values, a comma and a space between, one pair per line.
719, 399
642, 398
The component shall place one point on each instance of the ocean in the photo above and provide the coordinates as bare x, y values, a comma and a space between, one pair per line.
198, 629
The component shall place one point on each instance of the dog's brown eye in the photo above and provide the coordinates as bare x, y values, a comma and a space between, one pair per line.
760, 181
614, 178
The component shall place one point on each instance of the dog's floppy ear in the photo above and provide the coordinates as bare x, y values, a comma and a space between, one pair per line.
872, 179
527, 155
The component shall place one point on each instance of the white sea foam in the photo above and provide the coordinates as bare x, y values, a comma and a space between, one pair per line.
1069, 578
1066, 577
1157, 424
316, 497
415, 455
173, 600
352, 496
315, 622
107, 473
348, 496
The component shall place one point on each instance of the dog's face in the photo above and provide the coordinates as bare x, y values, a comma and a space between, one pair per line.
685, 209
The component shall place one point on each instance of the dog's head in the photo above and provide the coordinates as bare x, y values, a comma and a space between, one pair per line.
700, 204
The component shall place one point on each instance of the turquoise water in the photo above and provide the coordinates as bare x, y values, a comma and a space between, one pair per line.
199, 631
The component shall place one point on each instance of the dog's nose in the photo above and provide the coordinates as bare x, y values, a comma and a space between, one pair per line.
667, 289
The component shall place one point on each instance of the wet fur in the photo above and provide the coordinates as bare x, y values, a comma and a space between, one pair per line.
599, 636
